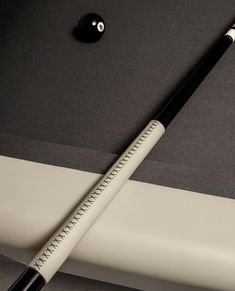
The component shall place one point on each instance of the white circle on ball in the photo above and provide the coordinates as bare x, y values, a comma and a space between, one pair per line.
100, 26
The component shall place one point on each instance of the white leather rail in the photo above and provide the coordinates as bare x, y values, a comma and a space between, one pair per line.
148, 230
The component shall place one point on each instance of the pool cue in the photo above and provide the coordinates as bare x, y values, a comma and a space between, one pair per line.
57, 249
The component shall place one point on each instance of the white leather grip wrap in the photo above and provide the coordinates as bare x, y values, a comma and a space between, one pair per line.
231, 32
57, 249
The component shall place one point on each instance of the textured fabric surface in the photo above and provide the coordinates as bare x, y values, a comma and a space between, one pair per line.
9, 271
79, 105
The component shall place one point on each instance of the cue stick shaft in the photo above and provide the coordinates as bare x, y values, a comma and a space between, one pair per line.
194, 79
56, 250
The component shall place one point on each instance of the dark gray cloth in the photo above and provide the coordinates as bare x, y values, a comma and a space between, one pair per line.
79, 105
10, 270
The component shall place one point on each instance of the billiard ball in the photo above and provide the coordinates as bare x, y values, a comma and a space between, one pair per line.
90, 28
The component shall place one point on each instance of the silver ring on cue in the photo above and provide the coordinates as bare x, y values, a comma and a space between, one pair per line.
231, 32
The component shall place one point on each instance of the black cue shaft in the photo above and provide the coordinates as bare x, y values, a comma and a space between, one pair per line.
193, 80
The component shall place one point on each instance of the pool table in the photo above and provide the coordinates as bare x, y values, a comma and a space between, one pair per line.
68, 109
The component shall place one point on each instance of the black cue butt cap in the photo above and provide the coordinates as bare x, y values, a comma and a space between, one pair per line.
29, 280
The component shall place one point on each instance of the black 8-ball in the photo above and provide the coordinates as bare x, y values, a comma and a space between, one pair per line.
90, 27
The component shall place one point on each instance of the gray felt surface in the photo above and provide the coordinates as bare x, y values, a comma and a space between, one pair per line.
10, 270
79, 105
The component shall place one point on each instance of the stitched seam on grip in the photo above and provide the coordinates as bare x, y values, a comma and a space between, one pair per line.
87, 204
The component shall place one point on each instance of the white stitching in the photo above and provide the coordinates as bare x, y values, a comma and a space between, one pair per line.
88, 203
